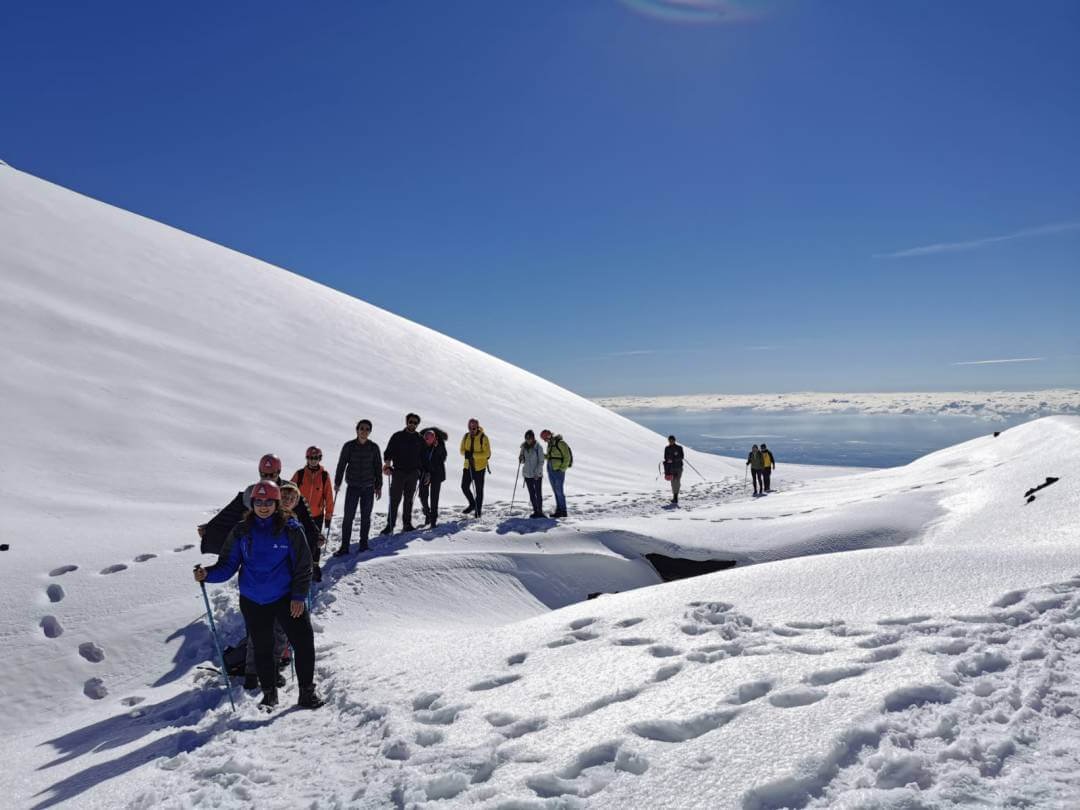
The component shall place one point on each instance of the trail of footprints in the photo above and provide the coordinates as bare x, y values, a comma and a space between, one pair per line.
93, 688
960, 640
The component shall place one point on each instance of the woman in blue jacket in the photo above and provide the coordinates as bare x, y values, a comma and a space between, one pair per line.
271, 552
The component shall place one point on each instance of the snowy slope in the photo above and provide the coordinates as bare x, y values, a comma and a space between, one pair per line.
934, 663
146, 371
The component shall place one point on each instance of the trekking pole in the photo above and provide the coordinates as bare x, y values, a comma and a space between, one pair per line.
695, 469
510, 511
217, 644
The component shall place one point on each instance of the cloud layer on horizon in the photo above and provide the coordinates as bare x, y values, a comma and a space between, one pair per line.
990, 405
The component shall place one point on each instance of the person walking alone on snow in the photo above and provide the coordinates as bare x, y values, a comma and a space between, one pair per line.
476, 448
531, 459
673, 467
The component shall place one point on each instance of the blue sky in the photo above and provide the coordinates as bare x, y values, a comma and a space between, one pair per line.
776, 196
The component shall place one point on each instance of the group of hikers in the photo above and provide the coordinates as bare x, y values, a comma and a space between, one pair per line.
272, 532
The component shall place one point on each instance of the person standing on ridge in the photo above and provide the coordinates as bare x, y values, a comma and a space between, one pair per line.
768, 464
402, 462
316, 488
433, 472
756, 464
531, 459
359, 465
673, 467
559, 458
476, 448
270, 551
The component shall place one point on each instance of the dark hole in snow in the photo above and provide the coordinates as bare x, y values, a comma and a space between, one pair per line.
1049, 480
4, 546
672, 568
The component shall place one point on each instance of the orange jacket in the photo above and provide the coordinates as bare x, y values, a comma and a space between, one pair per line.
317, 489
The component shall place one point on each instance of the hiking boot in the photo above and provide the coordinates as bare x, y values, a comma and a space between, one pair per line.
308, 699
467, 510
251, 682
407, 529
269, 700
389, 530
360, 549
537, 515
342, 552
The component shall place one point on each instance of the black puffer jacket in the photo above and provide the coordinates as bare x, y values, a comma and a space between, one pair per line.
405, 451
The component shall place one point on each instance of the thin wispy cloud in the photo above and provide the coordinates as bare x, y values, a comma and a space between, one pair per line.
975, 244
693, 11
995, 362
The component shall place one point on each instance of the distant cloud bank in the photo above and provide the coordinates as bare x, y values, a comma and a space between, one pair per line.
990, 405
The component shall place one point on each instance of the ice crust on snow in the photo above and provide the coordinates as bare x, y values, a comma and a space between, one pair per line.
899, 638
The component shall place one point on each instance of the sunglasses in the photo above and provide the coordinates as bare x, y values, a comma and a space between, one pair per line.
411, 423
314, 458
263, 502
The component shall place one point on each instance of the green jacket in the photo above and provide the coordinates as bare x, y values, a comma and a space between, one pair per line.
558, 454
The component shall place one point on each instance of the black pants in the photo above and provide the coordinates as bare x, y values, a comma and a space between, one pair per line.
429, 498
468, 478
260, 627
758, 476
402, 490
366, 497
766, 475
536, 494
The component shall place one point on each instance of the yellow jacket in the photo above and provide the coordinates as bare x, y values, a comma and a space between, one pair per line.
479, 447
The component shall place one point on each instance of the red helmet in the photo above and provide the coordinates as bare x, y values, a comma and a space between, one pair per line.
312, 451
270, 464
266, 490
429, 438
545, 434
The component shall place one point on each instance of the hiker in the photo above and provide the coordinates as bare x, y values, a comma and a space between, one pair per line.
402, 461
673, 467
432, 472
476, 448
531, 459
768, 464
315, 486
360, 466
756, 463
214, 531
274, 580
559, 458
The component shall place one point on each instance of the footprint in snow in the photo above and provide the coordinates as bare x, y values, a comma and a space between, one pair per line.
585, 635
562, 642
577, 624
663, 651
517, 658
678, 731
91, 652
665, 672
113, 569
63, 569
145, 557
883, 654
55, 593
51, 626
826, 676
426, 737
94, 688
184, 548
797, 696
603, 762
621, 696
629, 622
493, 682
632, 641
751, 690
